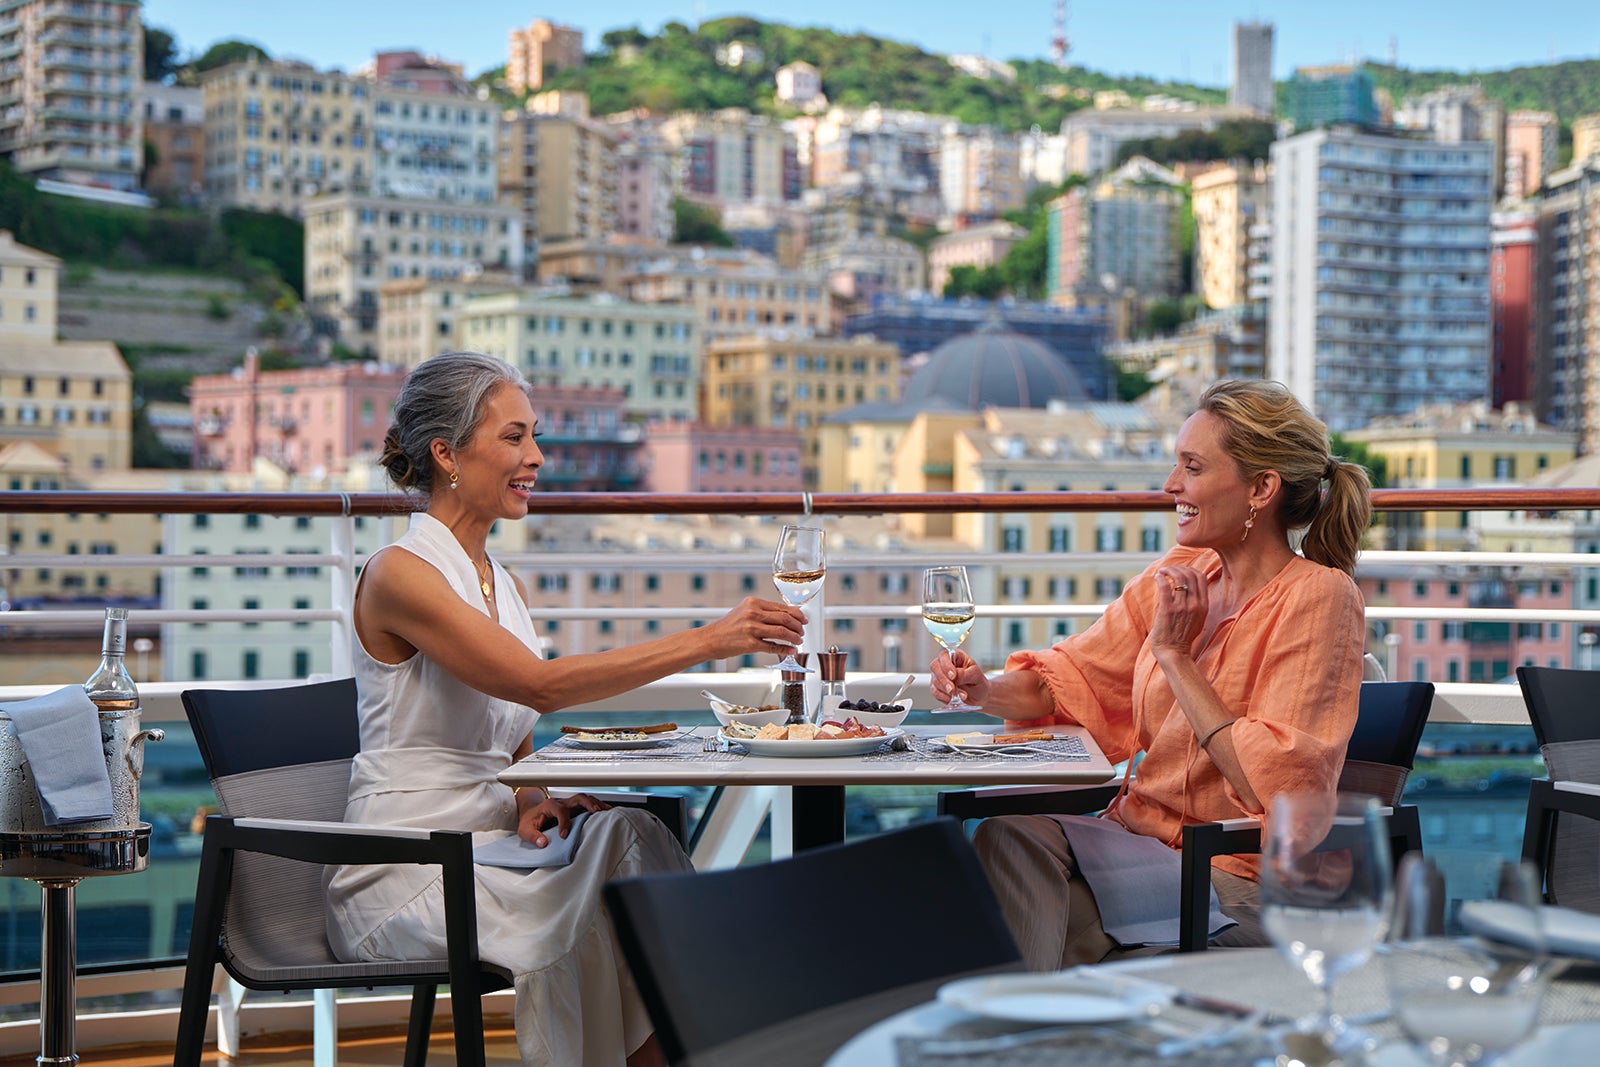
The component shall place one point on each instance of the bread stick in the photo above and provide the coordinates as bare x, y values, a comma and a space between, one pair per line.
656, 728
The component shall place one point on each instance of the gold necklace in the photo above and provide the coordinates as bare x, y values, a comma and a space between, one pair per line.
483, 578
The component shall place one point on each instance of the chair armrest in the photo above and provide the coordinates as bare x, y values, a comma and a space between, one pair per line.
1547, 800
1579, 788
1025, 800
339, 843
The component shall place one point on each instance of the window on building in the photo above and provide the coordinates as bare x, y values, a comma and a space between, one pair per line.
1011, 539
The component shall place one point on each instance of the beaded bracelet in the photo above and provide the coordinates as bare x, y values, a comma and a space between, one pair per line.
1213, 732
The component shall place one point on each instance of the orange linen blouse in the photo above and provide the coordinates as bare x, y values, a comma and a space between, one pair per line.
1287, 662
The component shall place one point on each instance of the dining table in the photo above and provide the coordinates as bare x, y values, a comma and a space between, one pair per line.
698, 756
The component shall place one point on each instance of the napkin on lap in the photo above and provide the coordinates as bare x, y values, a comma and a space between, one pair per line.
60, 735
514, 852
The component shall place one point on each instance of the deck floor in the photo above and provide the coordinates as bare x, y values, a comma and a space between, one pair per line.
359, 1048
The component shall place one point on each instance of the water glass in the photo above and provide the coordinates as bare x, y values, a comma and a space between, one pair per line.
1467, 963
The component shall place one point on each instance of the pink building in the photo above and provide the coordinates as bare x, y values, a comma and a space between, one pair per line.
692, 458
1452, 650
588, 445
1513, 268
306, 421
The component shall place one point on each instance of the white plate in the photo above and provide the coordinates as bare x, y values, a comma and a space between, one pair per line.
838, 746
1567, 932
1572, 1043
649, 741
1051, 998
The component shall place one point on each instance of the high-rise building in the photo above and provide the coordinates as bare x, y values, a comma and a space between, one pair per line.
1380, 272
69, 91
644, 182
1567, 304
980, 173
559, 171
1252, 68
1513, 256
540, 50
1531, 144
1227, 201
1329, 96
1121, 234
1585, 137
732, 156
434, 143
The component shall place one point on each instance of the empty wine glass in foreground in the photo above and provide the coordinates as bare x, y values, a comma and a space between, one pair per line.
1325, 901
1467, 958
798, 569
947, 612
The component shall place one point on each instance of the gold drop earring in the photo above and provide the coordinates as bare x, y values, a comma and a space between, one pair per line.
455, 483
1248, 524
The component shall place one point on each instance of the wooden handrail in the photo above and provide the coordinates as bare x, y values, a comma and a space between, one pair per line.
44, 502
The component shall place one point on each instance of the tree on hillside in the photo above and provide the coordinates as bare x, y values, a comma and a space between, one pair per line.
277, 239
160, 54
696, 224
224, 52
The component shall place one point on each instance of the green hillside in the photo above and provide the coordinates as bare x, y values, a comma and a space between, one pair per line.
1569, 89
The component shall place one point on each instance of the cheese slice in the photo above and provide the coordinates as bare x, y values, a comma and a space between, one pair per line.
968, 739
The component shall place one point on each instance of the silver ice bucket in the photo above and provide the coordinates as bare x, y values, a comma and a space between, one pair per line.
122, 745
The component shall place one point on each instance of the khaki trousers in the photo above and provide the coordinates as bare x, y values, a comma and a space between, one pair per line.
1052, 913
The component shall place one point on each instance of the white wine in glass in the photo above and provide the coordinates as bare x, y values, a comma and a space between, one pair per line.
798, 568
948, 612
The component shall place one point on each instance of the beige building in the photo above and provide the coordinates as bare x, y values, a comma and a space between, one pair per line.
279, 133
1094, 134
980, 172
560, 174
354, 244
976, 246
417, 316
1231, 343
861, 268
735, 292
175, 128
1531, 145
650, 353
595, 266
69, 91
778, 379
1585, 137
434, 143
541, 49
732, 156
72, 400
1227, 201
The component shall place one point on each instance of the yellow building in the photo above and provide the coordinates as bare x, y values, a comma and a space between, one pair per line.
735, 292
417, 316
279, 133
1585, 137
779, 380
1227, 202
541, 49
29, 281
560, 173
1459, 447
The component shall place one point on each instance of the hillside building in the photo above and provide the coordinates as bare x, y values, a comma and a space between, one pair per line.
559, 172
1251, 88
539, 51
1532, 143
175, 129
1227, 202
1567, 304
1118, 235
1331, 96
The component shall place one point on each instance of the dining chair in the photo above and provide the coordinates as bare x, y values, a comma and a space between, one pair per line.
279, 761
1382, 748
1562, 708
722, 955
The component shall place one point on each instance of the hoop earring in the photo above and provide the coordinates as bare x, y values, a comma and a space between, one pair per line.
1248, 524
455, 479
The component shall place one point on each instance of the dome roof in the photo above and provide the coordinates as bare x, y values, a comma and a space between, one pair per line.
995, 367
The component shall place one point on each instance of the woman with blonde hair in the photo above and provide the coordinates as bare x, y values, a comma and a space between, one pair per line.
1233, 664
450, 681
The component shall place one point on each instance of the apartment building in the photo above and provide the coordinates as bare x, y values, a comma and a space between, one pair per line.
731, 156
559, 171
691, 457
1251, 87
314, 420
861, 269
650, 353
280, 133
596, 266
72, 400
1330, 96
777, 379
883, 150
735, 292
1585, 137
539, 51
435, 144
1227, 202
644, 185
1118, 235
1380, 273
1532, 142
1567, 303
588, 443
980, 173
175, 129
1230, 343
356, 243
978, 246
417, 316
1094, 135
1513, 259
69, 91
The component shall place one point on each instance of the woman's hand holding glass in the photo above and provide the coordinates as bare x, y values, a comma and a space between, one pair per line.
956, 677
799, 566
948, 612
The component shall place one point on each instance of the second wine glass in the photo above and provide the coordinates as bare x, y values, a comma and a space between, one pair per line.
798, 568
948, 612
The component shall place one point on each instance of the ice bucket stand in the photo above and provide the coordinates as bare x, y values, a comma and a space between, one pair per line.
58, 861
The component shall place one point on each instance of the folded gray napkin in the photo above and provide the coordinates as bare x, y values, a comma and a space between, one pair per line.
60, 735
514, 852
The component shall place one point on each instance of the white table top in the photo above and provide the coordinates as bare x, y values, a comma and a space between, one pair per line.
619, 769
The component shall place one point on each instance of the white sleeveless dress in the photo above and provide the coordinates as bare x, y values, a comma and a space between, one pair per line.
431, 747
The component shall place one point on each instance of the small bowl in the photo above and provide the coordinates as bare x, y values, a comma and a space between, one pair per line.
754, 718
884, 719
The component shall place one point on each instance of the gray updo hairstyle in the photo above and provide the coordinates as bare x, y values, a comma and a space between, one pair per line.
442, 398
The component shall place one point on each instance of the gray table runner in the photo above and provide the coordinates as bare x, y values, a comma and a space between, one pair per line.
690, 748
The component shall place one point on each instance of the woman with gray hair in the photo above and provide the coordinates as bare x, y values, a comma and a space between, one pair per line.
450, 682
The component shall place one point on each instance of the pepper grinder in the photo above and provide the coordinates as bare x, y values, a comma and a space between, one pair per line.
793, 692
832, 662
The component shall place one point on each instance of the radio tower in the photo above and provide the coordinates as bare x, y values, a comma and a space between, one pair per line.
1058, 43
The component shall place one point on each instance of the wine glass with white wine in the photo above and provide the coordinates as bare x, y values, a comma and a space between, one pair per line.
947, 612
798, 568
